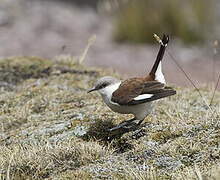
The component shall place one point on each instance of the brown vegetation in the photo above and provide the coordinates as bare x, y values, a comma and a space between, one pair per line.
51, 128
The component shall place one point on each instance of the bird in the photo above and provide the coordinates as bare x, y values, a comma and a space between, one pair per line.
135, 95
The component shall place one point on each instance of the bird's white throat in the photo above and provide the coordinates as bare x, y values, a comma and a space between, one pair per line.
107, 91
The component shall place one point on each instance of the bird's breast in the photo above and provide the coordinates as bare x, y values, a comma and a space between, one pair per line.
140, 111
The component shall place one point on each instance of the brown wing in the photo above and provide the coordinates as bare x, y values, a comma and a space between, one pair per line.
132, 88
128, 90
156, 94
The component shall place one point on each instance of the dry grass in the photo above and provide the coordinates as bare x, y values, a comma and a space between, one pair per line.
51, 128
41, 160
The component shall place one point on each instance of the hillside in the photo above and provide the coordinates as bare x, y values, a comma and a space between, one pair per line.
51, 128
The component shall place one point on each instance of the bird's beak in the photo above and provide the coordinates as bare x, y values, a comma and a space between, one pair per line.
92, 89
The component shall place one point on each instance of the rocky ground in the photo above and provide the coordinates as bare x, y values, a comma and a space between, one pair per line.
52, 129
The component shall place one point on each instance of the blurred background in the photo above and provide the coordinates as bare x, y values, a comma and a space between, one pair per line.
124, 34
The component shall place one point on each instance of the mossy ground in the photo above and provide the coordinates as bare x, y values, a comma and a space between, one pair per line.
51, 128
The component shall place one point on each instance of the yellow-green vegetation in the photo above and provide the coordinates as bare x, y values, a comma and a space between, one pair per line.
190, 20
51, 128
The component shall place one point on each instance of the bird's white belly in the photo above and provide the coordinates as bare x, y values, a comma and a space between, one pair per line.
140, 111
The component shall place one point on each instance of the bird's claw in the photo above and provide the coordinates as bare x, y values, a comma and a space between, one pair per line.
126, 126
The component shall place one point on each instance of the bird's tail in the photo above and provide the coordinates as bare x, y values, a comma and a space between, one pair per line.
163, 45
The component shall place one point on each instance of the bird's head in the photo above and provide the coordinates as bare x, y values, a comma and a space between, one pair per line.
102, 83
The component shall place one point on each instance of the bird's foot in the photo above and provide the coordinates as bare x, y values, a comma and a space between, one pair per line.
126, 126
122, 128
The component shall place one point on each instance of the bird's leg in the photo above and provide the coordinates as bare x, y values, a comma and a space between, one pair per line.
139, 123
122, 124
127, 125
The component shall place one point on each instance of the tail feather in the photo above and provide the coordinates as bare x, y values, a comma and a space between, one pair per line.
160, 55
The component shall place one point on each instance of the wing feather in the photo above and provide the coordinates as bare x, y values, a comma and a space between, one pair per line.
136, 91
157, 95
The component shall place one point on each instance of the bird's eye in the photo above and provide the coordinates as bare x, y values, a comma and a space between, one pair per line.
103, 85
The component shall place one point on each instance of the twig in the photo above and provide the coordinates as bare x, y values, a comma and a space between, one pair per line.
9, 167
198, 173
90, 42
187, 76
215, 52
197, 89
216, 43
216, 86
